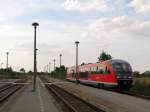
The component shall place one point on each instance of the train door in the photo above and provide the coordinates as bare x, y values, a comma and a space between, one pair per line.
106, 74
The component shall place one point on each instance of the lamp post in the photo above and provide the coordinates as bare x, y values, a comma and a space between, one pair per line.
7, 53
77, 69
49, 67
60, 59
2, 65
35, 24
54, 68
54, 64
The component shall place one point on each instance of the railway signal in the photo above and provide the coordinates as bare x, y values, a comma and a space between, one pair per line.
77, 72
35, 24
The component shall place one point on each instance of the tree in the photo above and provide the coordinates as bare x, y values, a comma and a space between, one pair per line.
60, 72
104, 56
146, 73
83, 63
22, 70
136, 73
30, 72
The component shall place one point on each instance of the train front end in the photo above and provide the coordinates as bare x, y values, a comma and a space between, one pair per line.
123, 73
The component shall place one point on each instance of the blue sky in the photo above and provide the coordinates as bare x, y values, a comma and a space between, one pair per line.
119, 27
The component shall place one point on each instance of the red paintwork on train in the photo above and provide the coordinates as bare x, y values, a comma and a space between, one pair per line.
101, 78
104, 78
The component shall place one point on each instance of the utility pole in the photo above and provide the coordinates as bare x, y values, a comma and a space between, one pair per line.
2, 65
35, 24
54, 64
54, 68
60, 59
77, 68
7, 53
49, 67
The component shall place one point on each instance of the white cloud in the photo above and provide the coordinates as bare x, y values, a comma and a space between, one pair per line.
121, 26
141, 6
56, 37
123, 37
85, 5
10, 9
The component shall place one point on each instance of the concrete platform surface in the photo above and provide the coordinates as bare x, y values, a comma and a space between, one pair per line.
39, 101
110, 101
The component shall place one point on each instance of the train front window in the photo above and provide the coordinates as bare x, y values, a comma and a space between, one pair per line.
121, 67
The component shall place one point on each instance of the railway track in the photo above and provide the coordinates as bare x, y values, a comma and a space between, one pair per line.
7, 90
121, 92
74, 103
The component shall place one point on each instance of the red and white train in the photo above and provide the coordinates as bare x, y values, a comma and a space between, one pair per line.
110, 73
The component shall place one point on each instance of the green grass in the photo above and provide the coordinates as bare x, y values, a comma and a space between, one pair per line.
12, 75
143, 79
141, 86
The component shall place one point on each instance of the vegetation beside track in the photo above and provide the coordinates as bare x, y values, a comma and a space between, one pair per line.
141, 86
10, 74
60, 73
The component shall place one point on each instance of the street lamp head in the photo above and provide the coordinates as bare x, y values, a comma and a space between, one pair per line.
60, 55
7, 53
35, 24
77, 42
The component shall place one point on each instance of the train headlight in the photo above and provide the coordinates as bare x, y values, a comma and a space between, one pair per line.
118, 77
130, 77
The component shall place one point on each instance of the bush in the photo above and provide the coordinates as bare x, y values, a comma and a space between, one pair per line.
141, 87
60, 72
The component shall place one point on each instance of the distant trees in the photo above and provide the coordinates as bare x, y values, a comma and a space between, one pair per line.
22, 70
104, 56
60, 72
136, 74
30, 72
82, 63
7, 73
6, 70
144, 74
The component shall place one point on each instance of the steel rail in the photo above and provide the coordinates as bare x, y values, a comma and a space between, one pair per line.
7, 90
72, 102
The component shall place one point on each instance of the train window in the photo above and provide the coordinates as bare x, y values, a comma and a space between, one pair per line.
107, 71
93, 70
83, 74
100, 71
121, 67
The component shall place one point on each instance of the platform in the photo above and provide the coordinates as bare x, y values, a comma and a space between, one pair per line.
106, 100
39, 101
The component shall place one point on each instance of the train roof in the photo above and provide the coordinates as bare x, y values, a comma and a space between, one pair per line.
117, 61
112, 61
109, 61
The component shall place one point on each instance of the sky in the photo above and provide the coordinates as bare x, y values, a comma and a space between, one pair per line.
119, 27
